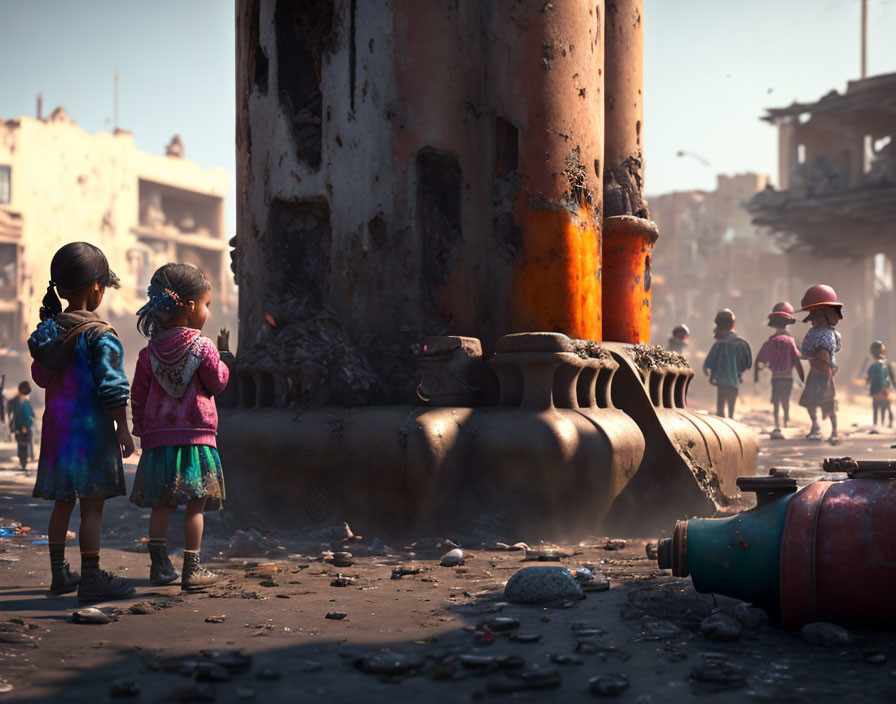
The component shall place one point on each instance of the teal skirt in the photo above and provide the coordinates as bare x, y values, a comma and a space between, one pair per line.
175, 474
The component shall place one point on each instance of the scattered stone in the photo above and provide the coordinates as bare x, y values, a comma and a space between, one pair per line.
123, 688
142, 608
752, 617
233, 660
591, 582
875, 658
519, 546
15, 633
342, 559
609, 684
210, 672
452, 558
827, 634
565, 659
614, 544
652, 550
388, 663
526, 637
719, 626
659, 630
335, 615
269, 582
542, 585
216, 619
432, 544
532, 677
477, 662
542, 556
500, 624
342, 581
91, 614
267, 673
712, 668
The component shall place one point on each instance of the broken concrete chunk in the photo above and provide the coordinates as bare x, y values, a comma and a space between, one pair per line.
542, 584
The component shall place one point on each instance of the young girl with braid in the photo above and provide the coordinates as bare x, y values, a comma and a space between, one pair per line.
178, 374
78, 360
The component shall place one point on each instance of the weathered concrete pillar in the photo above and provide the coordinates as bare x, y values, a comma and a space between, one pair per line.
628, 234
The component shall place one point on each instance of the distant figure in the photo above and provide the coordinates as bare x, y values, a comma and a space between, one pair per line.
21, 423
780, 354
880, 380
820, 346
728, 359
680, 338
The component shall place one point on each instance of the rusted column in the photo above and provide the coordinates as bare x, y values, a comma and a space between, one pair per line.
551, 85
628, 233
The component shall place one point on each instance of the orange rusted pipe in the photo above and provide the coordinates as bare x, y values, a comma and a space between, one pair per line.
554, 276
627, 252
556, 285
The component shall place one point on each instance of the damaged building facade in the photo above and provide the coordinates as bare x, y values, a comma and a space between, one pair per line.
58, 184
440, 217
834, 210
712, 257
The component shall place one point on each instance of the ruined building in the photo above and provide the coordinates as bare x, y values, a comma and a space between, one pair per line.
711, 257
834, 210
58, 184
440, 216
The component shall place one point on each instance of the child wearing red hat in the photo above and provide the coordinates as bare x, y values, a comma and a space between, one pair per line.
820, 346
780, 354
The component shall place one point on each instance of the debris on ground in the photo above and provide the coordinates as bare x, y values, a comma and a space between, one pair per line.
828, 634
452, 558
91, 614
542, 584
609, 684
720, 626
335, 615
404, 570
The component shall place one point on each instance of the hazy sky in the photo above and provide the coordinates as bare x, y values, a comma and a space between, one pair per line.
709, 66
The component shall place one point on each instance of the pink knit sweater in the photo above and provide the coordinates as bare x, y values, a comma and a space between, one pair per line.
172, 395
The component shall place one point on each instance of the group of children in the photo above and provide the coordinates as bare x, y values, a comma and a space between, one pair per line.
78, 360
730, 357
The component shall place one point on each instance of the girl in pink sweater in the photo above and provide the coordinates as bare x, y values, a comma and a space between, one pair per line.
175, 417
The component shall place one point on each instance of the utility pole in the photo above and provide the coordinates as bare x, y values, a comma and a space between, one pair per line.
864, 38
116, 99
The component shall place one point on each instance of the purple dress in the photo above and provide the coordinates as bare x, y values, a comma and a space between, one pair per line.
78, 359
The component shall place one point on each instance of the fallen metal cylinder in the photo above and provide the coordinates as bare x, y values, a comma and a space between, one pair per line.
824, 553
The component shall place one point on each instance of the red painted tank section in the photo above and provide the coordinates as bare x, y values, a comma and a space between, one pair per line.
838, 554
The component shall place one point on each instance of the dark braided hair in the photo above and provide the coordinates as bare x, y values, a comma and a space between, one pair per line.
74, 266
171, 287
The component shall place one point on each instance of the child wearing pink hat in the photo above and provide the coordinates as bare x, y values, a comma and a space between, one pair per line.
820, 346
780, 354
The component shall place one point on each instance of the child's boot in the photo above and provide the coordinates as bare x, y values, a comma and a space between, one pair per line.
161, 571
99, 585
64, 580
195, 576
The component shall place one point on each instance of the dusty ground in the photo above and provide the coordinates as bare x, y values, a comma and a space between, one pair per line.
646, 626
